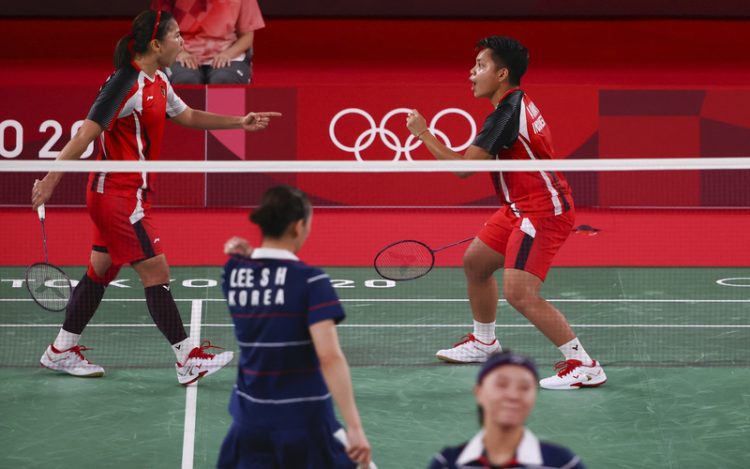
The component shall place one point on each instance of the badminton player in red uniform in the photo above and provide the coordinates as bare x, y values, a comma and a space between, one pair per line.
522, 237
128, 117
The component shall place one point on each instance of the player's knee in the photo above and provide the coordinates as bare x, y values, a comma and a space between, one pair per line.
150, 280
103, 275
153, 271
518, 295
475, 269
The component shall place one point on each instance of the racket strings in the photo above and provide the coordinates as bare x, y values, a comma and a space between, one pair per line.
404, 261
49, 286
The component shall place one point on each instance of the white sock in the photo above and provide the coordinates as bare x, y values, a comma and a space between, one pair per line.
182, 350
484, 332
573, 350
66, 340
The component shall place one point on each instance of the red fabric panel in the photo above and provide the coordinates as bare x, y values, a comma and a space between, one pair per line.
644, 137
352, 237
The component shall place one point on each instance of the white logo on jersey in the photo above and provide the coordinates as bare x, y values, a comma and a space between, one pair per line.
538, 124
533, 110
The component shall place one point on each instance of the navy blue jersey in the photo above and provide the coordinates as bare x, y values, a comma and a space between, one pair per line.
274, 298
531, 453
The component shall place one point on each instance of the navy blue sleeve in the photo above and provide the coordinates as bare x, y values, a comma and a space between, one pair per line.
559, 456
446, 459
436, 463
112, 96
500, 129
323, 303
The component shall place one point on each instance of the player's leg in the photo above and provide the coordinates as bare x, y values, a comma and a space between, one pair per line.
480, 264
482, 259
193, 362
89, 292
521, 290
154, 275
134, 238
64, 354
531, 248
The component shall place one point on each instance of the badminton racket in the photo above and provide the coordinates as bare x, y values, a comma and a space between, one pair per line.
48, 285
408, 259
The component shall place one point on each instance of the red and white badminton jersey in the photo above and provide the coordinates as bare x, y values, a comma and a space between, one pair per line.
516, 130
131, 108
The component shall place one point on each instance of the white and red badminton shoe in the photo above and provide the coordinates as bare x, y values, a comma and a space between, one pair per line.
200, 364
70, 361
470, 350
573, 374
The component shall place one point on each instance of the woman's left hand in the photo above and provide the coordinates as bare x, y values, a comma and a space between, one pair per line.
258, 120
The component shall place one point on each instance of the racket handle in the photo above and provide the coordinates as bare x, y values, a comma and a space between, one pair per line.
40, 212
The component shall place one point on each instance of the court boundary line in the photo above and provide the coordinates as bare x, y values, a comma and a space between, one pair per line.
191, 393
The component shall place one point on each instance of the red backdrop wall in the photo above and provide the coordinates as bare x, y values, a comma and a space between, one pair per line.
607, 89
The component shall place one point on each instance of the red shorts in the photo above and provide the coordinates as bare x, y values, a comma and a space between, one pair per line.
123, 228
528, 243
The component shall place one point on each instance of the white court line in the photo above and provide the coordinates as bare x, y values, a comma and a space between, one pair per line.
191, 393
455, 300
434, 326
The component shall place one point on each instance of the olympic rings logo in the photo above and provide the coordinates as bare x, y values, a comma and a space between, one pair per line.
390, 139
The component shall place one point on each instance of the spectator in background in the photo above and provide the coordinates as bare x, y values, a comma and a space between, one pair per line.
218, 38
506, 393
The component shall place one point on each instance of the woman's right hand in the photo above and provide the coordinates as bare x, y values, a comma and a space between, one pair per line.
187, 60
359, 449
41, 192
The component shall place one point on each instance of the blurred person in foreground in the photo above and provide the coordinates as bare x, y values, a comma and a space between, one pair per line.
506, 392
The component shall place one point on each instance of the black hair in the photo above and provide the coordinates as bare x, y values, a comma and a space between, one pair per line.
281, 206
140, 35
507, 53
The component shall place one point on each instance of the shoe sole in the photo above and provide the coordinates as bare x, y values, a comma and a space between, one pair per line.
584, 385
208, 372
97, 374
451, 360
200, 375
574, 386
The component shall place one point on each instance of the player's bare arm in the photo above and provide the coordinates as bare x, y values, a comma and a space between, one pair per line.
336, 373
42, 190
417, 125
195, 119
